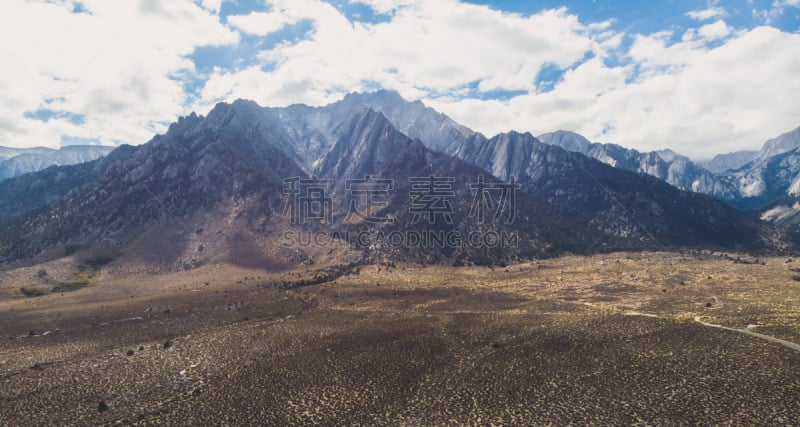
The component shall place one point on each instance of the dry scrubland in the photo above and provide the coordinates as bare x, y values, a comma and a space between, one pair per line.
581, 340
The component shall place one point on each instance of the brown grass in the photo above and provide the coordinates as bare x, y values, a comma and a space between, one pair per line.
564, 341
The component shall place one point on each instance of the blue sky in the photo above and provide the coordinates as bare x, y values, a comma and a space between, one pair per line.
628, 16
697, 77
648, 16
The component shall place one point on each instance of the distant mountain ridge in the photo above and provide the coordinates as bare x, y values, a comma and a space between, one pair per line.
9, 152
744, 184
781, 144
18, 161
666, 165
729, 161
746, 180
440, 133
212, 188
752, 181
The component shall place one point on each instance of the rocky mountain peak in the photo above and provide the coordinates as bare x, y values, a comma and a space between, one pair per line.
368, 144
780, 144
567, 140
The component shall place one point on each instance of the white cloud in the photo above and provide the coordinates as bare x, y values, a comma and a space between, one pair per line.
261, 23
706, 14
718, 89
427, 48
717, 30
386, 6
115, 65
212, 6
686, 96
695, 100
775, 10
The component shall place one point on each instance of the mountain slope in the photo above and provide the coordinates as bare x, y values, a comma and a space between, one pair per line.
752, 181
730, 161
21, 161
764, 181
9, 152
772, 176
781, 144
212, 189
440, 133
369, 146
614, 201
531, 160
191, 170
226, 174
32, 191
666, 165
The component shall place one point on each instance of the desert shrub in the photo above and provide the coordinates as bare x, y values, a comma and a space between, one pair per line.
796, 277
70, 285
31, 292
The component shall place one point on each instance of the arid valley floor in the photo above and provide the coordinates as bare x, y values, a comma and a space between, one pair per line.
624, 338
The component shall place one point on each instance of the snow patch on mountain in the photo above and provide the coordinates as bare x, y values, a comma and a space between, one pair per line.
752, 185
794, 189
781, 213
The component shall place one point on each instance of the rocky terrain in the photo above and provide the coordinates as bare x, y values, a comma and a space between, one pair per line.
740, 179
169, 284
19, 161
748, 180
621, 338
616, 202
231, 167
672, 168
729, 161
30, 192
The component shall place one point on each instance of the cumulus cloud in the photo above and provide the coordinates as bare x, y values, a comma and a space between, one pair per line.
690, 98
387, 6
683, 95
715, 31
116, 64
211, 5
427, 48
705, 14
120, 70
774, 11
261, 23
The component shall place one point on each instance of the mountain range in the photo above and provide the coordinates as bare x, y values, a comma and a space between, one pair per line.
213, 188
18, 161
739, 179
748, 180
